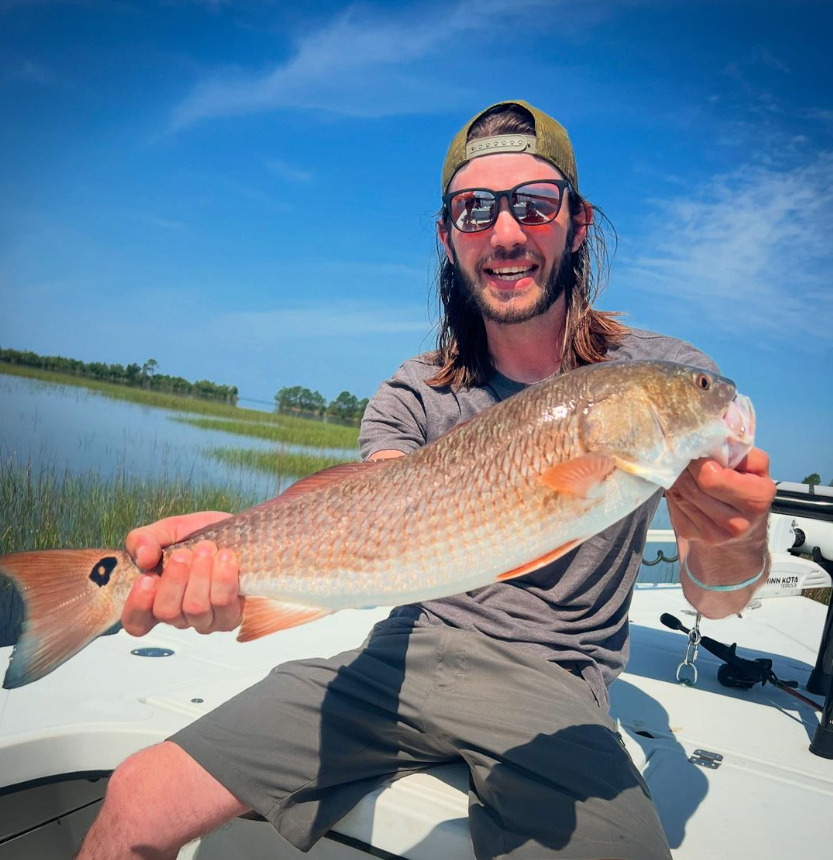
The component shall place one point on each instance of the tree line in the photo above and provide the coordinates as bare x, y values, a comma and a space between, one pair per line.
295, 399
145, 375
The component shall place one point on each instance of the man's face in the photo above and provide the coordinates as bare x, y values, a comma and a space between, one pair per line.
510, 271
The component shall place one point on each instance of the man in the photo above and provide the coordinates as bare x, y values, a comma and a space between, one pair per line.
511, 678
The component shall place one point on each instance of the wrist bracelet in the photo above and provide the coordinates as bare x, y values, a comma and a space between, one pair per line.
737, 587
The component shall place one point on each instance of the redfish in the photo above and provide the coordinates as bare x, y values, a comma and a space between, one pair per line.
503, 494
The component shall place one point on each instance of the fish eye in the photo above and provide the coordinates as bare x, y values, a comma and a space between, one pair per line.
703, 381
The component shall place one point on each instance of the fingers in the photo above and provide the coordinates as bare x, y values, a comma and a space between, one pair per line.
196, 600
713, 520
167, 606
198, 588
756, 462
722, 504
145, 544
750, 491
211, 601
137, 615
152, 599
225, 592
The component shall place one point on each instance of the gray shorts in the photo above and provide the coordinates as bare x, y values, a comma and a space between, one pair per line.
550, 776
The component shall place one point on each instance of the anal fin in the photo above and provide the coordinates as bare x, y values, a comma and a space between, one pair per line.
265, 615
540, 562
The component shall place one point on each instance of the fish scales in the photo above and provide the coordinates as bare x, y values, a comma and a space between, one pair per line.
404, 521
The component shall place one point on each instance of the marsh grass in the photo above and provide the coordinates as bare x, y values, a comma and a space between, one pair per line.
48, 508
282, 464
285, 430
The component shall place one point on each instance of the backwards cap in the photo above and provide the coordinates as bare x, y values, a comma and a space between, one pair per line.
551, 143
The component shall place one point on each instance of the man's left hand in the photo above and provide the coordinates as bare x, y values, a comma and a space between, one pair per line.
716, 505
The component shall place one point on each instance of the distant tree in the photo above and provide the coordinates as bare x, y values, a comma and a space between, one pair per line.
312, 401
288, 399
149, 368
813, 480
344, 407
146, 375
132, 373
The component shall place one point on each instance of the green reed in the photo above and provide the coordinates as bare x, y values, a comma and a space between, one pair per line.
285, 430
47, 508
281, 464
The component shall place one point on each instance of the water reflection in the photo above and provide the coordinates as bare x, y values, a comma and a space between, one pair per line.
68, 427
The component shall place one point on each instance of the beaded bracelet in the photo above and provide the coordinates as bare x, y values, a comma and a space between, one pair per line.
736, 587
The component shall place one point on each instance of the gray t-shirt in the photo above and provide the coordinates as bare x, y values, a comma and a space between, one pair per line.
574, 609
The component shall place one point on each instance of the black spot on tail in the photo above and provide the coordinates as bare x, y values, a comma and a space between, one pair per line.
102, 569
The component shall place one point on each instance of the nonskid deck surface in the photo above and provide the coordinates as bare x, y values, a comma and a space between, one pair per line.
768, 791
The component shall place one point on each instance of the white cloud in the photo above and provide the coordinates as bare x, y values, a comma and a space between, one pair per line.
166, 224
749, 251
34, 72
359, 63
288, 171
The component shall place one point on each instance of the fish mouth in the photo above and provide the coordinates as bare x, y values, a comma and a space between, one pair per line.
739, 422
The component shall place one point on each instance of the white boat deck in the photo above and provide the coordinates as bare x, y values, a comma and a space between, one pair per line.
770, 797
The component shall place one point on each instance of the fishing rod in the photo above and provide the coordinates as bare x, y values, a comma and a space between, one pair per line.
737, 671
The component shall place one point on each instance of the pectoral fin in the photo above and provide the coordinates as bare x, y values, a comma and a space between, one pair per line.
263, 615
579, 476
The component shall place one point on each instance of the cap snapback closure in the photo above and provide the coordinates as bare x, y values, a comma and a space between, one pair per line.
500, 143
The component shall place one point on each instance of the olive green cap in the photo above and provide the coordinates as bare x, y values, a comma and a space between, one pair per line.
551, 142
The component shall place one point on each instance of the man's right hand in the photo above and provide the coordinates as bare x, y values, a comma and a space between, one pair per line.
198, 588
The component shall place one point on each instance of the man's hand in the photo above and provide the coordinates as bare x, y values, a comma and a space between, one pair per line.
720, 517
713, 504
198, 588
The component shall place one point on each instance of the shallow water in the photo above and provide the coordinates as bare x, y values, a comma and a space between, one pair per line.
68, 427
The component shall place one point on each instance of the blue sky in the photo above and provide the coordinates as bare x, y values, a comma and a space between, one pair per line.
244, 190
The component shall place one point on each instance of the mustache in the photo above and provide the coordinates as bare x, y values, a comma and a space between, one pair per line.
501, 256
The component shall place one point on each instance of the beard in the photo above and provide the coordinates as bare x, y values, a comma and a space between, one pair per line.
560, 280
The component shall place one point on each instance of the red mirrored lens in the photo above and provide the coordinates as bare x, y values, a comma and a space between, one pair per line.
473, 210
536, 203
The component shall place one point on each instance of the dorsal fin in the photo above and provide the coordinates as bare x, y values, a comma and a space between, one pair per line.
324, 478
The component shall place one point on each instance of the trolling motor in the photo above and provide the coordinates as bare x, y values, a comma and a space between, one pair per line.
812, 510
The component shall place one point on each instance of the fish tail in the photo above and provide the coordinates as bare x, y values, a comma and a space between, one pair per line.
69, 597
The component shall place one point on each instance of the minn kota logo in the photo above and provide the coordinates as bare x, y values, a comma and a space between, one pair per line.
102, 569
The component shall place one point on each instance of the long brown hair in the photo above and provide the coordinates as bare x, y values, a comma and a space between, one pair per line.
462, 352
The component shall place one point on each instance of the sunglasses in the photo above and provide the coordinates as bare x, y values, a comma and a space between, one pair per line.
531, 203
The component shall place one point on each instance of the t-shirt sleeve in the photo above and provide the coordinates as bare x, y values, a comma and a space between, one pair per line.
395, 417
688, 354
